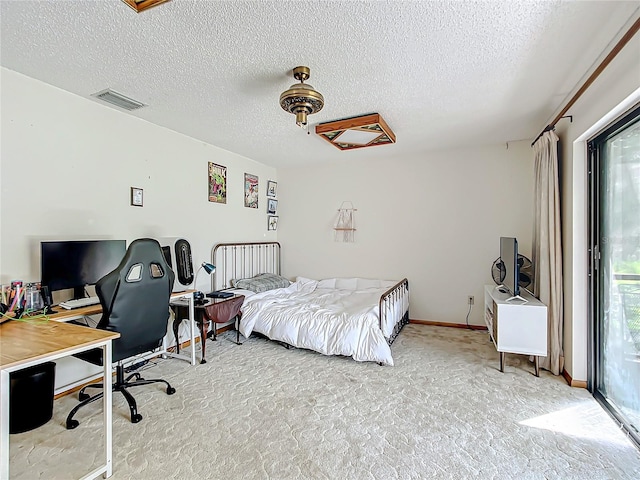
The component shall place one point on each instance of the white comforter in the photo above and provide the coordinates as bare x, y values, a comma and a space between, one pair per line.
318, 316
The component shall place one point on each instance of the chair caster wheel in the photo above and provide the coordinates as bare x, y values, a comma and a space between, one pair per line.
171, 390
136, 418
71, 424
83, 396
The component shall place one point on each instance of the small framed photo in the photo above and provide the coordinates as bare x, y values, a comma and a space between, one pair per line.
136, 196
217, 183
272, 206
272, 222
272, 189
250, 190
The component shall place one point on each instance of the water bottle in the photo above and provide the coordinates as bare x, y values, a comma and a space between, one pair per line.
33, 297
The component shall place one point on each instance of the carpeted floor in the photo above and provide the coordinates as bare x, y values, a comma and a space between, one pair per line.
260, 411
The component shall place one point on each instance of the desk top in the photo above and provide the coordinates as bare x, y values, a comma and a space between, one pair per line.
22, 341
62, 314
182, 302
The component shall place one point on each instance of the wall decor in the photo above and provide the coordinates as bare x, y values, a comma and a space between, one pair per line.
217, 183
250, 190
345, 227
272, 205
272, 188
272, 223
136, 196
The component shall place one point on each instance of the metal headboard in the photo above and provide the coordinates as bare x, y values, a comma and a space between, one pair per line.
243, 260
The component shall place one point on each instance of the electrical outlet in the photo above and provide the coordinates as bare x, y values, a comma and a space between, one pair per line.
470, 300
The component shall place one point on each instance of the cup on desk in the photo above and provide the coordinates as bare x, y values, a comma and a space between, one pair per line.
33, 297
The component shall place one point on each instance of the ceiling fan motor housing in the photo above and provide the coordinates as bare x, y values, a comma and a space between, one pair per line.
301, 99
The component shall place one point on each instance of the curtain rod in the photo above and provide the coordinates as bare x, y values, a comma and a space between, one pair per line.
619, 46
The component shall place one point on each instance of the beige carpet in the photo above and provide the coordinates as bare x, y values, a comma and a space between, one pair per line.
260, 411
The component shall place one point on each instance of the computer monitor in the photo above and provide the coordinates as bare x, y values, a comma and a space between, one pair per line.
509, 258
76, 264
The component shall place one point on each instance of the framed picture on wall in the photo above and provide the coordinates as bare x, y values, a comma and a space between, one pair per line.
136, 196
272, 223
217, 183
250, 190
272, 188
272, 206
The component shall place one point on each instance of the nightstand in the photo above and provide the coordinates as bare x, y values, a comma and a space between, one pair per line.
215, 310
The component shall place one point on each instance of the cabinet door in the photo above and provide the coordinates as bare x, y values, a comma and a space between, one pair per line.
523, 329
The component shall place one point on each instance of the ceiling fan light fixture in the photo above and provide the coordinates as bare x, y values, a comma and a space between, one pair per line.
142, 5
301, 99
301, 117
357, 132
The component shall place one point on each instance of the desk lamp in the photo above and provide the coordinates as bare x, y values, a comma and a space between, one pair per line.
198, 296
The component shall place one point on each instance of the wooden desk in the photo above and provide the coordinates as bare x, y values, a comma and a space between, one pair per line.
25, 344
64, 315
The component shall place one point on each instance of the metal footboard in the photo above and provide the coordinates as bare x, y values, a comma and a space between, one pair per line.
394, 310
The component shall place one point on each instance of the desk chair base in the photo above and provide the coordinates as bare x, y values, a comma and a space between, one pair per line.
121, 384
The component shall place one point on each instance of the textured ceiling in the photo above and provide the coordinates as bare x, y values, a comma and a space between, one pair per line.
443, 74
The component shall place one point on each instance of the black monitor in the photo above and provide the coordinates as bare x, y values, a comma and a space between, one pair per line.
76, 264
509, 258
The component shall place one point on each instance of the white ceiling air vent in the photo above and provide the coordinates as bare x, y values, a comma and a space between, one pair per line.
118, 100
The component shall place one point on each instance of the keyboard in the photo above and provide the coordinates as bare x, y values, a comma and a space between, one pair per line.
80, 302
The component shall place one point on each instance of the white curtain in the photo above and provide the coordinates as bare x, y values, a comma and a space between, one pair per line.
547, 246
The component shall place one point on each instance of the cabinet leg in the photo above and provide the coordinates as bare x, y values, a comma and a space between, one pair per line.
536, 365
502, 354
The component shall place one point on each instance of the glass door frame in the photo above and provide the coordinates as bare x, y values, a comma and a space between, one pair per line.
594, 354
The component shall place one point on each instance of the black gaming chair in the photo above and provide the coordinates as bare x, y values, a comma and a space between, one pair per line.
135, 303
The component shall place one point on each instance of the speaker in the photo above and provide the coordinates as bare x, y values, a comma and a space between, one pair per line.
47, 298
177, 253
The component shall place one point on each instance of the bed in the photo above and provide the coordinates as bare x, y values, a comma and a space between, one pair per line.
354, 317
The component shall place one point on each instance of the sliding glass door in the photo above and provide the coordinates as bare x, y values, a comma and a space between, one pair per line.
615, 272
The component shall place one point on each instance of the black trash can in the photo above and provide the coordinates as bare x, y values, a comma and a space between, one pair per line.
31, 397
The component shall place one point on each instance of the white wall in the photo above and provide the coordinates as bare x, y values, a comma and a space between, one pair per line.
435, 219
67, 165
610, 94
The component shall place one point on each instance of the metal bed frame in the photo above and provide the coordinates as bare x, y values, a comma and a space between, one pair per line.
396, 295
244, 260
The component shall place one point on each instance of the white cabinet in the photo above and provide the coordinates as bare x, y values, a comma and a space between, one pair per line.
516, 326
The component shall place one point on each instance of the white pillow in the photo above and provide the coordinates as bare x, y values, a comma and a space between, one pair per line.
346, 283
364, 283
327, 283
